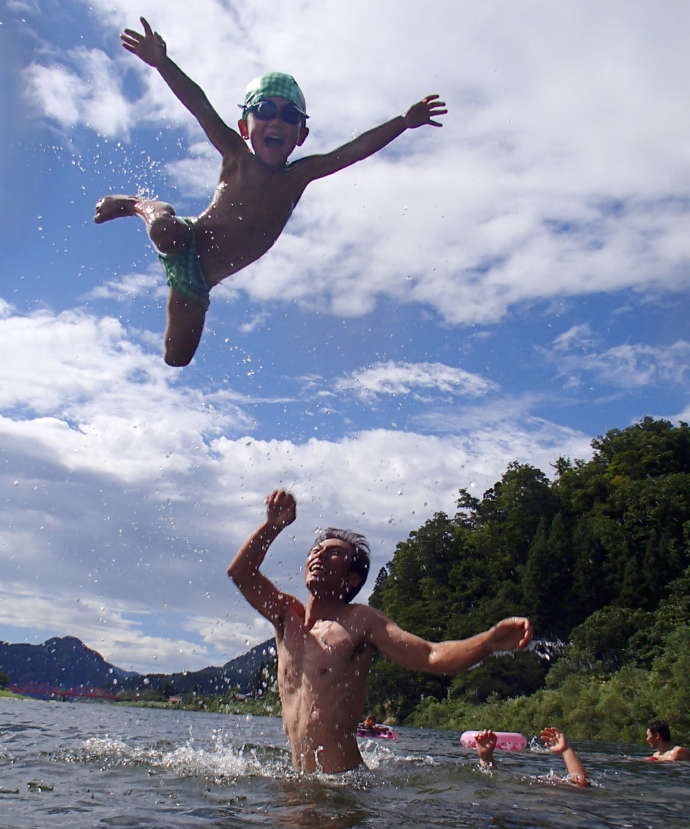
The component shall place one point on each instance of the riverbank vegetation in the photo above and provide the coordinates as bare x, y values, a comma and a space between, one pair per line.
599, 558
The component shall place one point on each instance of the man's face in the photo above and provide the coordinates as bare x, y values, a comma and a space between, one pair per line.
653, 739
273, 140
327, 570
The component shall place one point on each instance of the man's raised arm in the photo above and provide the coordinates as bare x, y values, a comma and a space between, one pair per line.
447, 657
370, 142
259, 591
150, 47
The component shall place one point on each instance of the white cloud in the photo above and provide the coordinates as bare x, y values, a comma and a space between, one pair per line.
129, 286
102, 401
391, 378
577, 337
626, 366
90, 94
104, 628
226, 636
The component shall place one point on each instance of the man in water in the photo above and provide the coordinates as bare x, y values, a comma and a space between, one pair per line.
325, 646
659, 738
256, 192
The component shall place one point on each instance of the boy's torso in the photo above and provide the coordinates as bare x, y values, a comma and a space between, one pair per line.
249, 209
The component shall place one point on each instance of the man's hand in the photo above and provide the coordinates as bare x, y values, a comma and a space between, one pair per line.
424, 111
150, 46
509, 634
281, 508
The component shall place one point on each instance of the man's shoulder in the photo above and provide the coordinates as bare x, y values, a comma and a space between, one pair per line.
362, 610
363, 616
670, 756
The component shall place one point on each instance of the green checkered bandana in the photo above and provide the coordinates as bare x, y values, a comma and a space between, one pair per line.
275, 85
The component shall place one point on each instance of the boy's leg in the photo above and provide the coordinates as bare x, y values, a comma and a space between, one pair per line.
185, 318
185, 323
168, 233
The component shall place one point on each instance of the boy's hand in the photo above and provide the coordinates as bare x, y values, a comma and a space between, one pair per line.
486, 743
150, 46
281, 508
554, 738
424, 111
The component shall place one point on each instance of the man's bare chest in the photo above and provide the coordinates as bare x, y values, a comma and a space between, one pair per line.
327, 647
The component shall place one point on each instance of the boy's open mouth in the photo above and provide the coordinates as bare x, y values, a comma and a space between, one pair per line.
273, 141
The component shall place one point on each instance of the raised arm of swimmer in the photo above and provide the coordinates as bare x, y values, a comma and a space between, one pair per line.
555, 739
260, 592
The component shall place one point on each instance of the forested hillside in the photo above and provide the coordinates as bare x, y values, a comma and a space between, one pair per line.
599, 558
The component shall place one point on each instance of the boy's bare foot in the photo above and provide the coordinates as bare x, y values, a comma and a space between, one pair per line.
112, 207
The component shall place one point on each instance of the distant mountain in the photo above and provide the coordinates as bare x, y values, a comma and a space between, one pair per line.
66, 662
62, 662
244, 674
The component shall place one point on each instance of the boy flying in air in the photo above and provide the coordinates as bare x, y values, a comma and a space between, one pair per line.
256, 192
326, 645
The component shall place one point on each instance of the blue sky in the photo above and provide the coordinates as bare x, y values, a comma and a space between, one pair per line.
506, 287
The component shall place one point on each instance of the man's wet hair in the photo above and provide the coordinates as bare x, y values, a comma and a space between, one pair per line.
661, 728
360, 555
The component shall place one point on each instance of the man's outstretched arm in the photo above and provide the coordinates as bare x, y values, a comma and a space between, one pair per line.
447, 657
370, 142
150, 47
259, 591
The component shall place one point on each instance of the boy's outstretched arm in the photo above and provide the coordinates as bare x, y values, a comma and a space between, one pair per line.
151, 48
555, 740
259, 591
370, 142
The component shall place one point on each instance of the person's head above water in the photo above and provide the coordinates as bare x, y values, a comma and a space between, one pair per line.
658, 730
274, 85
337, 564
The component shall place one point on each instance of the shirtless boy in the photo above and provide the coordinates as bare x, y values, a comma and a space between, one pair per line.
659, 738
325, 646
256, 192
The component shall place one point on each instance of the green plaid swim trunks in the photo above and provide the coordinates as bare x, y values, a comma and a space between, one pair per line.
275, 85
185, 273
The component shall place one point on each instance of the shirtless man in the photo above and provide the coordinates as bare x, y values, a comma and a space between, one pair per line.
257, 190
659, 738
325, 646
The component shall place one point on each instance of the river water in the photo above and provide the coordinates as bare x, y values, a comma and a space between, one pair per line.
102, 765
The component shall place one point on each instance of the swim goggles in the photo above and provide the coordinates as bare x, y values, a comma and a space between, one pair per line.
267, 111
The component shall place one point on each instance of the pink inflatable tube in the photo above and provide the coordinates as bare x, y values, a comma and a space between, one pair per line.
505, 740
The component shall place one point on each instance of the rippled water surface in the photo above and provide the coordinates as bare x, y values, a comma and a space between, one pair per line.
99, 765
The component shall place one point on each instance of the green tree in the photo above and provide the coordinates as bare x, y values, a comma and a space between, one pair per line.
416, 592
650, 448
547, 579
